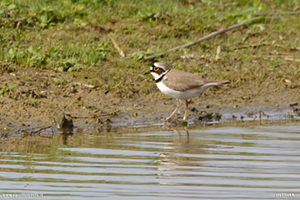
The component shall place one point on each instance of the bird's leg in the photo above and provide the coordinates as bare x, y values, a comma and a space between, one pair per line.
173, 113
186, 109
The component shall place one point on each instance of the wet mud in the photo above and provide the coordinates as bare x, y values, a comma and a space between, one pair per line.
35, 102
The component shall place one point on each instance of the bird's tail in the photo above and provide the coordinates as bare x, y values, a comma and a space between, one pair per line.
215, 83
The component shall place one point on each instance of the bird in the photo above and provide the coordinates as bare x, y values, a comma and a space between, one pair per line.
180, 85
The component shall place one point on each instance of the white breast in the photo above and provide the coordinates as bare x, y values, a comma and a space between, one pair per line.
178, 94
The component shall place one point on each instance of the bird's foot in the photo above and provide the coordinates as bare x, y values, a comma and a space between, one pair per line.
168, 119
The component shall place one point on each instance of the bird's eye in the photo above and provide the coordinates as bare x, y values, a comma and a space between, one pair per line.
156, 69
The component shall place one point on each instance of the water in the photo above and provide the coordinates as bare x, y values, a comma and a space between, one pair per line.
260, 162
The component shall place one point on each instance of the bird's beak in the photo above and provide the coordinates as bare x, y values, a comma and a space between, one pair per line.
148, 72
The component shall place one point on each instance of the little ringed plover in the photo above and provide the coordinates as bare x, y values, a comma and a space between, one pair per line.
179, 84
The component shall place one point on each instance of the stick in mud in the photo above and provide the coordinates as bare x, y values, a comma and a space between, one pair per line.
243, 24
120, 51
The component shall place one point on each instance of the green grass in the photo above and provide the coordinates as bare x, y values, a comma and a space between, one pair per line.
74, 35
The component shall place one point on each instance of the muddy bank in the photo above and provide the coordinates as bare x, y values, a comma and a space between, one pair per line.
33, 100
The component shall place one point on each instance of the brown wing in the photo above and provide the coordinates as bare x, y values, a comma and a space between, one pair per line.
182, 81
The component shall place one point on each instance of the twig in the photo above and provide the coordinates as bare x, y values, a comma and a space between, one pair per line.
260, 116
39, 130
18, 25
287, 81
267, 56
117, 47
52, 132
291, 48
85, 85
286, 57
251, 46
264, 44
243, 24
274, 14
218, 52
291, 59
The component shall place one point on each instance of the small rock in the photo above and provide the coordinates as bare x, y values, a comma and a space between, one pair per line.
249, 114
66, 122
79, 130
194, 109
217, 116
293, 104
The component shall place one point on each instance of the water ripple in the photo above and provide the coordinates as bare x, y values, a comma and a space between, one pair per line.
223, 163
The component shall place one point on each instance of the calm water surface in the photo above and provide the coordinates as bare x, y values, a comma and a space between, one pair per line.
218, 163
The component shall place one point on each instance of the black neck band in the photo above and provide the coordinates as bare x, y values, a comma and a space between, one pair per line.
161, 77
